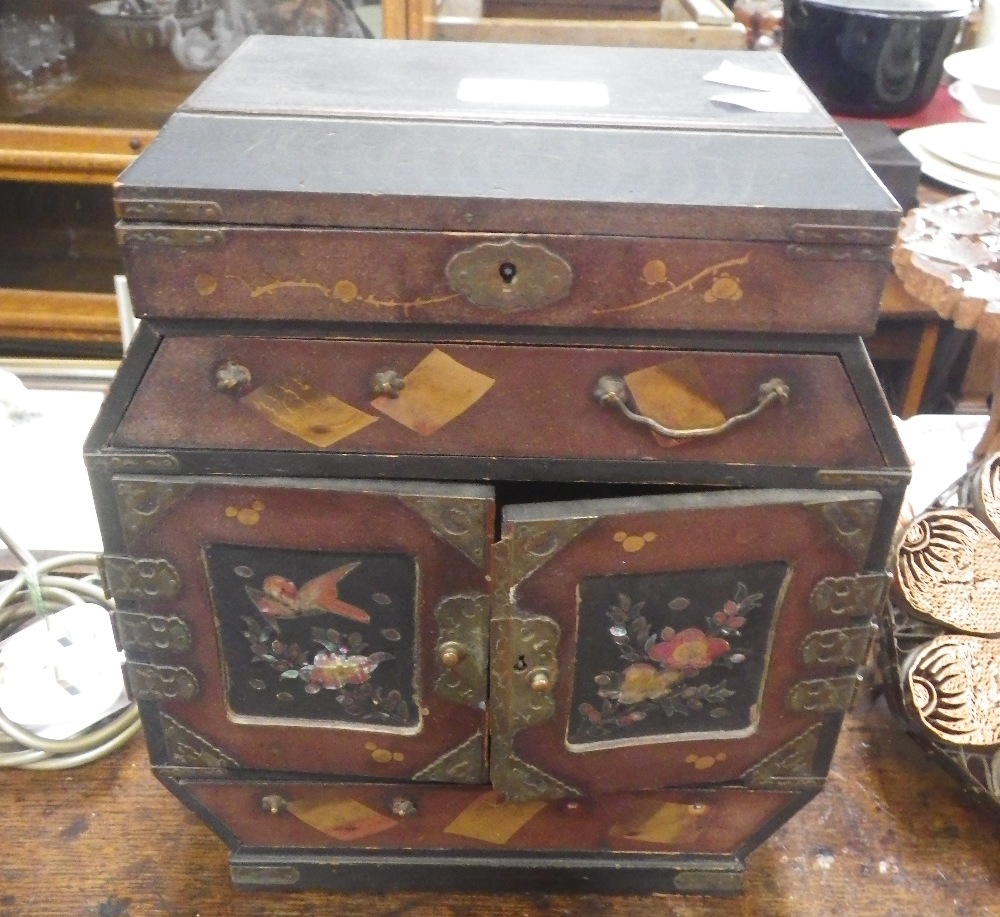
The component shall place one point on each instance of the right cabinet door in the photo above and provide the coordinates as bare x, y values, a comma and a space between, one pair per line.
668, 641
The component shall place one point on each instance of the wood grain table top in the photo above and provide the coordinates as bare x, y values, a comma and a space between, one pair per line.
891, 835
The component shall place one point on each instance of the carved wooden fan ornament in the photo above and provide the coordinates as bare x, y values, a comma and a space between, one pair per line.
948, 570
948, 573
954, 682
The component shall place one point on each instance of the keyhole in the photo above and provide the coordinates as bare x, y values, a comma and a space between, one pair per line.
508, 271
521, 664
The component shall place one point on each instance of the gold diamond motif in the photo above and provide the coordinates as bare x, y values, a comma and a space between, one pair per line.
436, 391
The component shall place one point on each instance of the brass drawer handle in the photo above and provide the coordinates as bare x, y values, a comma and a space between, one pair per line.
612, 391
232, 378
387, 382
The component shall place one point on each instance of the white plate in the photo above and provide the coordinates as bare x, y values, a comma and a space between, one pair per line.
940, 169
972, 103
979, 66
975, 147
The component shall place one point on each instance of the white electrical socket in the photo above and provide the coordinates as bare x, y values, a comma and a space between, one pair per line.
62, 673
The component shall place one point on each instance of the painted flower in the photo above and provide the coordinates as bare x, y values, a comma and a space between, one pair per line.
689, 650
333, 670
345, 290
645, 682
724, 286
730, 616
654, 272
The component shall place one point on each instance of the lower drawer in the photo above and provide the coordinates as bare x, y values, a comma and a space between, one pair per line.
323, 816
495, 400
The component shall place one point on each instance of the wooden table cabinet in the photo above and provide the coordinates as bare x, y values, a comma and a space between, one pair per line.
498, 484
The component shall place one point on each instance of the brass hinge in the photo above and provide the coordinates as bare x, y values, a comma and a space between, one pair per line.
858, 596
859, 480
134, 579
173, 236
846, 647
161, 682
837, 253
169, 211
132, 462
829, 234
824, 695
138, 631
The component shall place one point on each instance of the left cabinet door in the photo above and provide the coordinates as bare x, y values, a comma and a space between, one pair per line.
314, 626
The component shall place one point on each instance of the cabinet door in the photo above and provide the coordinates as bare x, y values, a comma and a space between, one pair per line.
327, 627
669, 641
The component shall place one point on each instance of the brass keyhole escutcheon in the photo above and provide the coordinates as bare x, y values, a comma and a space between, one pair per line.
450, 654
508, 272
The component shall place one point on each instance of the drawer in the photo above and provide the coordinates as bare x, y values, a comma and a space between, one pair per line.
498, 280
375, 817
496, 401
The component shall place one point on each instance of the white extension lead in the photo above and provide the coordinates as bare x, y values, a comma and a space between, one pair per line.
59, 668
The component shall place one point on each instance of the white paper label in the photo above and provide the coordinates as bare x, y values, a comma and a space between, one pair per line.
786, 103
729, 74
547, 93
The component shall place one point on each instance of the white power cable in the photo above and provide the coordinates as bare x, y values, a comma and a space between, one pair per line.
36, 590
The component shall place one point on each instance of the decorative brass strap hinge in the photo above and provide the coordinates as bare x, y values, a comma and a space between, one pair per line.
161, 682
824, 695
845, 648
138, 631
858, 596
135, 579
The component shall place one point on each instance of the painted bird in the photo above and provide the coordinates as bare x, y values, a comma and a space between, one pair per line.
281, 598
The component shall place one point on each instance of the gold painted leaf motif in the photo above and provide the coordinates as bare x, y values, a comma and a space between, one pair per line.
489, 819
340, 817
297, 407
434, 393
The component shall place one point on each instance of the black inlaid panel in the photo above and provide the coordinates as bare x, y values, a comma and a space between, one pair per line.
670, 654
317, 636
